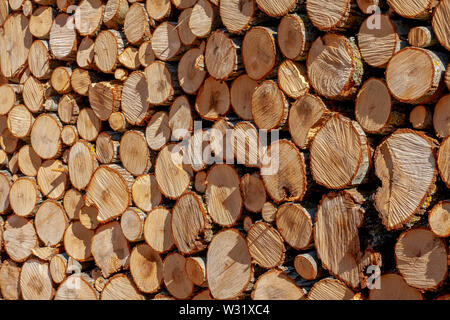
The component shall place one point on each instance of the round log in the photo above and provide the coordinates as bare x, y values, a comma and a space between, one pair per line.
421, 37
78, 241
132, 224
129, 58
136, 24
110, 249
52, 179
443, 162
81, 164
340, 154
293, 79
41, 22
221, 58
157, 133
413, 75
76, 287
118, 122
34, 93
58, 268
237, 15
188, 224
241, 92
89, 17
394, 287
295, 225
191, 70
196, 270
85, 53
10, 280
268, 212
213, 99
120, 287
145, 53
88, 217
158, 230
63, 37
134, 153
330, 289
68, 108
20, 121
19, 238
421, 258
135, 95
395, 201
23, 196
88, 125
166, 43
175, 278
158, 9
109, 192
421, 118
284, 172
46, 136
73, 202
80, 80
104, 98
441, 121
338, 77
265, 245
307, 265
146, 267
29, 162
439, 219
276, 285
145, 192
108, 45
69, 135
202, 18
115, 12
7, 98
160, 83
35, 281
107, 148
50, 222
253, 192
228, 265
441, 25
180, 118
420, 9
340, 16
200, 181
276, 9
39, 59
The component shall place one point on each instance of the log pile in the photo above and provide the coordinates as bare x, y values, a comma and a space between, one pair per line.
232, 149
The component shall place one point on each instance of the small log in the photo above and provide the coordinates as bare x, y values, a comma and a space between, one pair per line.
379, 38
145, 192
340, 154
200, 182
23, 196
145, 53
341, 16
14, 45
136, 24
28, 161
41, 21
173, 178
395, 201
108, 46
34, 93
134, 153
221, 57
120, 287
269, 106
89, 17
421, 118
306, 116
421, 37
157, 133
443, 162
19, 238
223, 197
236, 16
423, 85
35, 281
7, 98
120, 74
135, 95
10, 280
253, 192
284, 172
52, 179
68, 108
78, 241
277, 9
158, 230
394, 287
268, 212
76, 287
161, 83
20, 121
307, 265
13, 164
416, 252
50, 222
146, 268
109, 192
107, 148
202, 19
259, 52
69, 135
441, 120
114, 13
85, 53
8, 142
80, 81
129, 58
373, 108
420, 10
180, 118
46, 136
39, 60
196, 270
63, 37
88, 125
175, 278
58, 268
110, 249
295, 35
187, 38
276, 285
81, 164
342, 76
73, 202
439, 219
241, 92
132, 224
118, 122
293, 79
213, 99
104, 98
228, 267
188, 224
166, 43
330, 289
265, 245
336, 237
295, 225
191, 70
88, 217
158, 9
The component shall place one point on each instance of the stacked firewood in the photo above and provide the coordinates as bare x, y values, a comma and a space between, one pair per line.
224, 149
